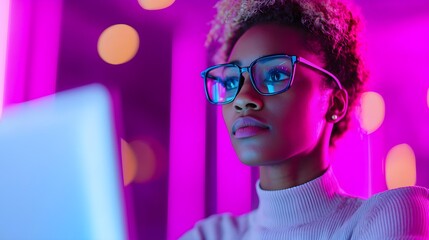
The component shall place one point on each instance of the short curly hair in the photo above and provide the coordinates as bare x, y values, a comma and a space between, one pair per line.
334, 25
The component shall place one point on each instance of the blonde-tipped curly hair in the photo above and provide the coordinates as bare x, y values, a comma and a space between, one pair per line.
331, 24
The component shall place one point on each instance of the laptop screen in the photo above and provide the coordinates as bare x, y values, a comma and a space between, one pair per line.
60, 176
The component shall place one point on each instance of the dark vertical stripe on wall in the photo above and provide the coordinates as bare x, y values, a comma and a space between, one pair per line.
211, 155
211, 147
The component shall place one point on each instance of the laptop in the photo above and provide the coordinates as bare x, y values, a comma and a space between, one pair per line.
59, 170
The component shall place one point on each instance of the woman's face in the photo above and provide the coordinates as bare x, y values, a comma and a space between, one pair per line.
290, 124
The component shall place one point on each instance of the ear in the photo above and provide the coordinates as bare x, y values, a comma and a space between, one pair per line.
337, 106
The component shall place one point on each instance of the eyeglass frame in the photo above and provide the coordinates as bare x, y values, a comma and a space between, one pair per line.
295, 59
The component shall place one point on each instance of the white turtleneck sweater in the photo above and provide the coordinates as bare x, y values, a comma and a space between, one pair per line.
319, 209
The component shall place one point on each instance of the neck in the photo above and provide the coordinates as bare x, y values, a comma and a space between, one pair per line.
296, 170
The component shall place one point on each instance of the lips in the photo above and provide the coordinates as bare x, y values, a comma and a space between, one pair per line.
247, 127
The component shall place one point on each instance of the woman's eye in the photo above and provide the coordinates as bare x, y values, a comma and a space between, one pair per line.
231, 83
276, 76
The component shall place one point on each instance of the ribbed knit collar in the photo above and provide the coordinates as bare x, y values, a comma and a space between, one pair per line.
301, 204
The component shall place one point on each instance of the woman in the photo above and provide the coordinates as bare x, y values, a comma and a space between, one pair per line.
290, 78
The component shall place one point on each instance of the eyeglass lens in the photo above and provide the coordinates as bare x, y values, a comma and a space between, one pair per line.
270, 75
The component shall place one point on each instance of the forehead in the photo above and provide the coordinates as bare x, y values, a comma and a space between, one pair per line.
266, 39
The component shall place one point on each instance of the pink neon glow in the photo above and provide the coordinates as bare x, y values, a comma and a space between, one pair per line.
233, 177
18, 51
350, 162
187, 132
32, 49
4, 26
400, 43
43, 69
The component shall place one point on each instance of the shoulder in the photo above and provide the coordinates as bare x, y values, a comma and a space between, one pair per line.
402, 212
406, 201
220, 226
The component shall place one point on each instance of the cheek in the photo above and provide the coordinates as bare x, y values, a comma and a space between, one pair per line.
323, 105
315, 115
227, 115
304, 118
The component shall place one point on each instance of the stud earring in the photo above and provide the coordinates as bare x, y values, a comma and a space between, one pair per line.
334, 117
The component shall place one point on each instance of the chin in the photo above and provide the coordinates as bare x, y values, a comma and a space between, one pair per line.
257, 154
255, 159
250, 158
251, 162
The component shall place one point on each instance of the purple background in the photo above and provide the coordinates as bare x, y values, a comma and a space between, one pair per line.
158, 97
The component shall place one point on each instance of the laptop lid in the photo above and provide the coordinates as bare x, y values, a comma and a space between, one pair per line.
59, 170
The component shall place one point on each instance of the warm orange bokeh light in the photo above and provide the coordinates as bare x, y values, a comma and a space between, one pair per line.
155, 4
129, 162
372, 111
400, 167
118, 44
146, 159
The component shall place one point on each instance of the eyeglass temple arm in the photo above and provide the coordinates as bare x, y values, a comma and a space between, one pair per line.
308, 63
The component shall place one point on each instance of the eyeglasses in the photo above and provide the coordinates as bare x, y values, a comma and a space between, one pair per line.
269, 75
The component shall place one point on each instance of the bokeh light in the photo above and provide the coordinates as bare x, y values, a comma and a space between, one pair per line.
147, 161
118, 44
372, 111
400, 167
129, 162
151, 159
142, 160
155, 4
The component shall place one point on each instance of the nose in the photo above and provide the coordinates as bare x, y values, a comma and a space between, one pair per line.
247, 98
